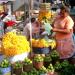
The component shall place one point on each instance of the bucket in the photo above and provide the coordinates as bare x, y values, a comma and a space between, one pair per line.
27, 68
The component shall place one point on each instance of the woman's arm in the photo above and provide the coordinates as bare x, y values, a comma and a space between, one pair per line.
62, 30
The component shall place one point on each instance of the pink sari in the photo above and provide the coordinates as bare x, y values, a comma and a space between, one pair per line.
65, 44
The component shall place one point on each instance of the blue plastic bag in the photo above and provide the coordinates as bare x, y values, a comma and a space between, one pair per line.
6, 71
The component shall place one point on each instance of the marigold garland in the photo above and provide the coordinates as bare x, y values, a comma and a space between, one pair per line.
14, 44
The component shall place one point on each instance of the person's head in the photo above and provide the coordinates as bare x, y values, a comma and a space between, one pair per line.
33, 20
37, 24
64, 11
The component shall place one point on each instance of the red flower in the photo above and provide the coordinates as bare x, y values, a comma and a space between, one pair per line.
10, 23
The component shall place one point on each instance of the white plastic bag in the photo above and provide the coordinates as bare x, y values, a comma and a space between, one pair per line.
19, 57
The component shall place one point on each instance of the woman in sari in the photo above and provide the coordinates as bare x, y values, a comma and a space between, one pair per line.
63, 28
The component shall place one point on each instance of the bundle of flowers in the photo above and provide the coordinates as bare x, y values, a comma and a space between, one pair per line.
14, 44
10, 23
44, 13
41, 43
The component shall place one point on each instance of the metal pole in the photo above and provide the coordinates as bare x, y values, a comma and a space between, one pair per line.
11, 7
24, 11
30, 22
29, 8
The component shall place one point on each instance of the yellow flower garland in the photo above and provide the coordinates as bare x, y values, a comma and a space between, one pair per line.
44, 13
40, 43
14, 44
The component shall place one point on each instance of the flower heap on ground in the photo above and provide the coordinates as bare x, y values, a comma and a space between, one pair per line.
14, 44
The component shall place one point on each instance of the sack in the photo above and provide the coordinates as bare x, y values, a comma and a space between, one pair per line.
19, 57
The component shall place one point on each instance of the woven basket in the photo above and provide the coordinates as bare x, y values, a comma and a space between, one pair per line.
38, 65
27, 68
45, 6
17, 71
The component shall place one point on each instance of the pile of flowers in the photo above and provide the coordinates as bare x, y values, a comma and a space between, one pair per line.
10, 23
14, 44
42, 43
45, 13
52, 43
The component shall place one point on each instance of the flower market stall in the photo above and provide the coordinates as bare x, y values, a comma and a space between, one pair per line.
16, 50
14, 44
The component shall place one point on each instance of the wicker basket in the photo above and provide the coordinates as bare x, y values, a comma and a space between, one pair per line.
38, 65
27, 68
17, 71
45, 6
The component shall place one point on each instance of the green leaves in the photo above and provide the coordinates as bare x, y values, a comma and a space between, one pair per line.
47, 58
38, 58
64, 68
68, 70
17, 65
24, 73
57, 66
4, 64
50, 68
33, 72
65, 64
43, 70
54, 55
27, 61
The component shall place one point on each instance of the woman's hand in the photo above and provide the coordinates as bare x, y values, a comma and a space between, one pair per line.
54, 29
62, 30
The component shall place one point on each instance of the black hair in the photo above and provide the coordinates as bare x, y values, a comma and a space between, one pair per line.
65, 8
33, 20
4, 15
